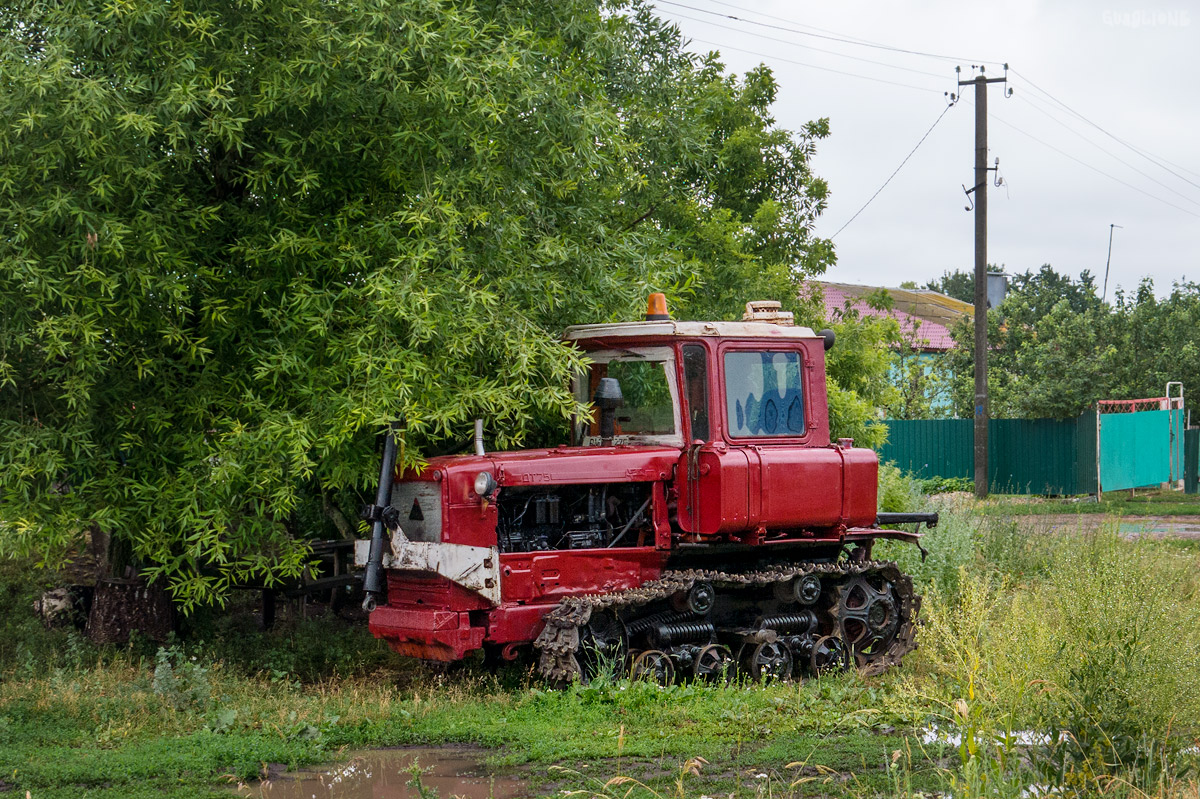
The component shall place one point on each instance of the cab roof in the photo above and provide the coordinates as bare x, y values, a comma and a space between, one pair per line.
670, 327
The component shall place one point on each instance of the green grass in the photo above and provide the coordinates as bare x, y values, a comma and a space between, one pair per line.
1144, 502
104, 732
1086, 633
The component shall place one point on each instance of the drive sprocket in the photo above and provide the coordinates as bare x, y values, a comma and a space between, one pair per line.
876, 616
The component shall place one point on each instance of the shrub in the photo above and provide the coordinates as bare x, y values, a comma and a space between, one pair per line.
947, 485
182, 682
950, 547
898, 492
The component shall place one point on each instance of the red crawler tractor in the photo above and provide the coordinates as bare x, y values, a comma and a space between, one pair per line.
701, 521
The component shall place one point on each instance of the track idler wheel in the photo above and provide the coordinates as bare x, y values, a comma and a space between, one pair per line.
828, 655
713, 662
654, 666
768, 660
804, 590
807, 589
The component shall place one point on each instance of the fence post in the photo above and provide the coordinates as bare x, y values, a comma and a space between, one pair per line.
1191, 452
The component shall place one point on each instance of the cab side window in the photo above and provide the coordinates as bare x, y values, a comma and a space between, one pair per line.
695, 379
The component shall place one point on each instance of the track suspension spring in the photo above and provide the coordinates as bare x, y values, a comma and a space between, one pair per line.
670, 617
665, 635
804, 621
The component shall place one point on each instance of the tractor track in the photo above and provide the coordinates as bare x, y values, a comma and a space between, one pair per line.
559, 643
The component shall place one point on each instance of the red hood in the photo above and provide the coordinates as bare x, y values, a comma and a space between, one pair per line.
562, 465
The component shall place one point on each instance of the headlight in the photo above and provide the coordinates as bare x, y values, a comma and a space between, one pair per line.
485, 484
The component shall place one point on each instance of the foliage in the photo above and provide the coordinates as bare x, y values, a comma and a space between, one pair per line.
1056, 348
1045, 357
1114, 503
948, 548
180, 681
237, 239
1092, 635
946, 485
898, 492
1088, 650
923, 381
857, 367
957, 284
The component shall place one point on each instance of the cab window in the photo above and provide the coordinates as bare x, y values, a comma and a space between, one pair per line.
649, 413
764, 394
695, 379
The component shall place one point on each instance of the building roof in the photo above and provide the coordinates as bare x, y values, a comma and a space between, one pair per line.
925, 316
672, 328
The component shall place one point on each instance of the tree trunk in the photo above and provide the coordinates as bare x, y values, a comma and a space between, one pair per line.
122, 606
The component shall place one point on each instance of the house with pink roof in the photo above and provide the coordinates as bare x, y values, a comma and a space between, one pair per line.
925, 316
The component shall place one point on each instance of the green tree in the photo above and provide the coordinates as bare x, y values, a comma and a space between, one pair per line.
1048, 349
957, 284
1154, 341
236, 238
922, 381
858, 368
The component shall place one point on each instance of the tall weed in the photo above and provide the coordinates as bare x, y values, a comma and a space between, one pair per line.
182, 682
949, 548
1095, 648
1124, 696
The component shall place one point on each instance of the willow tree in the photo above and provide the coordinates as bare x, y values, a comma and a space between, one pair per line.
237, 238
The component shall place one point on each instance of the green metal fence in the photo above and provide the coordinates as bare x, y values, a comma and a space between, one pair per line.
1025, 456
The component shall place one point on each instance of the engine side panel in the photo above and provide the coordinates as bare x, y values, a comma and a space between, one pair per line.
533, 578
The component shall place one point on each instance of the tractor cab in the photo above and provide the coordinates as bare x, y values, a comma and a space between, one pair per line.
758, 381
745, 403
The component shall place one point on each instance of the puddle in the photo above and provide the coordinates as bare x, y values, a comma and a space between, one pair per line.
933, 735
383, 774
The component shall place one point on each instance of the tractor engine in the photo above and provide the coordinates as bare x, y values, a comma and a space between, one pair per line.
700, 522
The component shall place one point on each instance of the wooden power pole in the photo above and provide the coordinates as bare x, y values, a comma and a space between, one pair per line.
980, 82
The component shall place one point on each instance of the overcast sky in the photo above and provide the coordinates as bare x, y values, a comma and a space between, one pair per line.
1132, 69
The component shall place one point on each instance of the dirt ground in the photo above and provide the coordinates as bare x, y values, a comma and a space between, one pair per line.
1128, 526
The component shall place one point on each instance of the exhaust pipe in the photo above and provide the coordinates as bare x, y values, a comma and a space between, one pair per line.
479, 437
373, 580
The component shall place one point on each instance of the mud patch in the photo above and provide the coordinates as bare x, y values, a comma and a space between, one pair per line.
387, 774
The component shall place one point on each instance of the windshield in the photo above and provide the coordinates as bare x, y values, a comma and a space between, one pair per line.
649, 414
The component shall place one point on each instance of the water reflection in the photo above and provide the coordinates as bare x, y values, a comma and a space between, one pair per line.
385, 774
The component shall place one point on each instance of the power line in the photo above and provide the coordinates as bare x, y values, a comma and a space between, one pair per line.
1158, 161
1093, 168
1117, 139
894, 173
858, 39
1028, 100
810, 47
815, 66
841, 39
1162, 163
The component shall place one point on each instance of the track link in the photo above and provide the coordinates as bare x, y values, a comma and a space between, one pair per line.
559, 643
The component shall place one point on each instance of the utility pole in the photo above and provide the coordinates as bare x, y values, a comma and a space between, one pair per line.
980, 82
1108, 262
